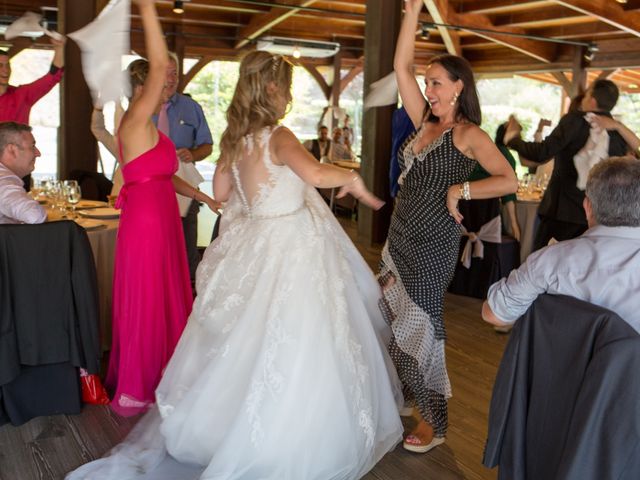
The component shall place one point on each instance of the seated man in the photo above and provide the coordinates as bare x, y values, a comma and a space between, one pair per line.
319, 147
601, 266
18, 153
339, 151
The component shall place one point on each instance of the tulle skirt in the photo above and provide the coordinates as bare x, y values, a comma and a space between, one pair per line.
282, 371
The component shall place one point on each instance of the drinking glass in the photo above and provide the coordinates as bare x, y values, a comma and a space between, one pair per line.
74, 195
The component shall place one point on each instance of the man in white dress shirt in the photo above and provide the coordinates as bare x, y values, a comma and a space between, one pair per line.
601, 266
18, 153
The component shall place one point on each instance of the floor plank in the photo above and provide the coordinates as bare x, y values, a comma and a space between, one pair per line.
48, 447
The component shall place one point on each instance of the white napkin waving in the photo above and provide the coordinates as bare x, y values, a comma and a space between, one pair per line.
28, 22
382, 92
103, 43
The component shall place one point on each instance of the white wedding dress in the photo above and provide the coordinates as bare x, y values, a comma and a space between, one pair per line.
282, 371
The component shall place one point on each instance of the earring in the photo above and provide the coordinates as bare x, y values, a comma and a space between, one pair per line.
454, 99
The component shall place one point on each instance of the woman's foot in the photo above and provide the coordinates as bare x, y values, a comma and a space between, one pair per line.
422, 438
416, 445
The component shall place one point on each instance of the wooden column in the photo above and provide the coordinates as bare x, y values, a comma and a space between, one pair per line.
77, 148
335, 91
382, 24
579, 77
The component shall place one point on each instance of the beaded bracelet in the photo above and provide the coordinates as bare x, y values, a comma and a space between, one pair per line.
465, 191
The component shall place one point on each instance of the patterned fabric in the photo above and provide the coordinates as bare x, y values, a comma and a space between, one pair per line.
421, 253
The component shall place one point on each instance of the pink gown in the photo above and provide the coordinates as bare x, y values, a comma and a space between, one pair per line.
151, 288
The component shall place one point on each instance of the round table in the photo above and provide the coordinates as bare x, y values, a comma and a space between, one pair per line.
103, 245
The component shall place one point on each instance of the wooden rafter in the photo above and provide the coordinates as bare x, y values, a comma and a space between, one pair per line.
193, 71
322, 83
261, 23
608, 12
563, 81
353, 73
607, 74
440, 12
543, 51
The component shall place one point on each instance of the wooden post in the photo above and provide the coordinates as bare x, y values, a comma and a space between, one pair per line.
77, 148
382, 25
335, 91
579, 78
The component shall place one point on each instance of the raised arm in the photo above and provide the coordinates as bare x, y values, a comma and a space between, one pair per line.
58, 51
412, 98
142, 109
101, 133
288, 151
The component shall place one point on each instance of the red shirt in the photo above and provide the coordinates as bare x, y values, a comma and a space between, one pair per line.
16, 103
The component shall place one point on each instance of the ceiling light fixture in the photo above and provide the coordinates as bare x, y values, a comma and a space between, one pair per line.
621, 1
305, 48
424, 32
178, 7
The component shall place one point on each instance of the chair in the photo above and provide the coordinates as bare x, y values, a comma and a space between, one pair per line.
94, 185
48, 319
494, 254
565, 401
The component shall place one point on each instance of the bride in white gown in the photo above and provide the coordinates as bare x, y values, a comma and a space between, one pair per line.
282, 371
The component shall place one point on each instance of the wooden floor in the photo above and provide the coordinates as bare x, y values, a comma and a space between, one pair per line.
48, 447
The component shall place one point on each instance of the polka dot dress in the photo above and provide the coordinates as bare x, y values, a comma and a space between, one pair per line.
421, 254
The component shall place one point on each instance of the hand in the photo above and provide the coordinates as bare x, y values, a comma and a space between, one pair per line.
543, 122
453, 197
358, 189
603, 122
513, 130
58, 43
185, 155
213, 205
414, 6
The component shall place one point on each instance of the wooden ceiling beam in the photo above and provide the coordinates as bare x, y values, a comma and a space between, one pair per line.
322, 83
541, 77
542, 51
218, 5
261, 23
492, 7
353, 73
607, 74
194, 70
608, 12
441, 11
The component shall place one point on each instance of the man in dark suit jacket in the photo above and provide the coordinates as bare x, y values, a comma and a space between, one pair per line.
319, 147
561, 214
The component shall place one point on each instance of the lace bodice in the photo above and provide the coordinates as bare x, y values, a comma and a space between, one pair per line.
265, 189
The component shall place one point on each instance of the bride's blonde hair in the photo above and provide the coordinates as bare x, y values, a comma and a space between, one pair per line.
252, 106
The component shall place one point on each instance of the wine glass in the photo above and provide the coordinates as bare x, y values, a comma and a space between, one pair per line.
74, 195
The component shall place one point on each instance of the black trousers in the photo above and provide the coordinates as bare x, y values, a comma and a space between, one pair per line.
551, 228
190, 229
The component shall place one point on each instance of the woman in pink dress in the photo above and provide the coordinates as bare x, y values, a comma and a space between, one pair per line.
152, 292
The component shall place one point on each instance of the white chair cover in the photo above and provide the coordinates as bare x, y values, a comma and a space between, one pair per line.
489, 232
